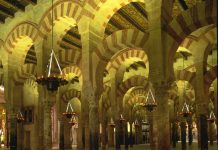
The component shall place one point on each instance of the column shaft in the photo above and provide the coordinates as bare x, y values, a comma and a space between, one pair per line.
13, 133
183, 135
47, 126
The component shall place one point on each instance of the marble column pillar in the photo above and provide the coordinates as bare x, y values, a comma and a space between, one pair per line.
110, 136
136, 135
190, 136
126, 136
118, 136
153, 132
61, 138
67, 134
140, 134
13, 132
79, 135
183, 134
130, 135
47, 137
161, 115
94, 125
174, 134
212, 132
203, 132
104, 135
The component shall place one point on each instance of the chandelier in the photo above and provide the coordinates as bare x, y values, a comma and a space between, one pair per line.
121, 118
69, 111
112, 124
73, 121
185, 110
150, 102
136, 123
52, 81
212, 117
19, 117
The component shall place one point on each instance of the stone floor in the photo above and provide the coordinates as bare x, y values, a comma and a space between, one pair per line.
146, 147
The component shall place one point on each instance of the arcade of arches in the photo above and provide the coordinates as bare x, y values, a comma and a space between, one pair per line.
112, 52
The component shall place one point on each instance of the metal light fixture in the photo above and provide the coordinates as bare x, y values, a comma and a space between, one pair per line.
52, 81
69, 111
121, 118
150, 102
212, 117
185, 110
136, 123
112, 124
73, 121
19, 117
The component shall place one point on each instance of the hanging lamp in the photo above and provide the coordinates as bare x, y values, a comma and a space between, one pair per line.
212, 117
51, 80
121, 118
69, 111
136, 123
20, 117
73, 121
112, 124
185, 109
150, 102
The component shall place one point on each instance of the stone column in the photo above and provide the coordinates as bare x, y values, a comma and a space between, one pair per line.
183, 134
80, 134
153, 132
203, 132
212, 132
136, 135
61, 138
104, 134
47, 137
126, 136
190, 136
110, 136
174, 134
94, 125
118, 134
140, 139
67, 133
130, 135
162, 116
13, 132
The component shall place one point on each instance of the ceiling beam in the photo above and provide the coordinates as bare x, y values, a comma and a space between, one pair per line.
33, 2
183, 4
140, 9
131, 20
15, 4
6, 11
2, 20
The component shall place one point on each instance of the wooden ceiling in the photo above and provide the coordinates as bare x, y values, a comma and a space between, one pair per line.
71, 40
131, 16
8, 8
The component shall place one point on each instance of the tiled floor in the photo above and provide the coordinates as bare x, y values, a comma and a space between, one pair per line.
146, 147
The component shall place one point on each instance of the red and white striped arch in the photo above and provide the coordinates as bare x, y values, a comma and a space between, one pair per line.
123, 55
70, 56
64, 8
1, 43
129, 38
202, 14
72, 69
68, 95
23, 73
28, 29
131, 82
108, 8
210, 76
185, 75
